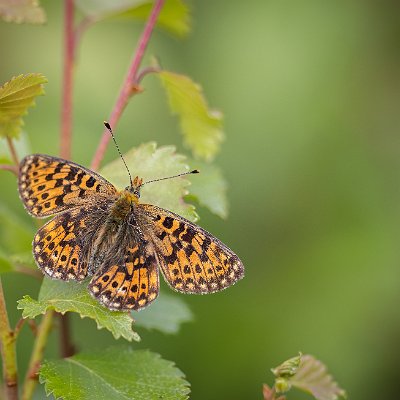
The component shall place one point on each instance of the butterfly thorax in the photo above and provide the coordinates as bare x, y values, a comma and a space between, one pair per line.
123, 206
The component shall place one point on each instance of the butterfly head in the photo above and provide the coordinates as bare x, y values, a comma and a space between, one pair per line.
134, 188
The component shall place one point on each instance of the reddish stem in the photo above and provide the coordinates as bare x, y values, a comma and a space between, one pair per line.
9, 167
67, 349
69, 55
146, 71
18, 327
128, 87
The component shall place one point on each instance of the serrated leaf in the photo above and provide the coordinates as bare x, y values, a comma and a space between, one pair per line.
288, 368
312, 377
16, 96
74, 297
201, 127
114, 373
149, 162
19, 11
31, 308
174, 16
209, 188
165, 315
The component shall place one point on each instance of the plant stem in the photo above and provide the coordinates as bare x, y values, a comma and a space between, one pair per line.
31, 378
146, 71
82, 26
8, 352
13, 152
126, 90
69, 56
67, 348
9, 167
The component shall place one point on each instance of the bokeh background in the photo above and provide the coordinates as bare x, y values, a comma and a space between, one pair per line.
311, 92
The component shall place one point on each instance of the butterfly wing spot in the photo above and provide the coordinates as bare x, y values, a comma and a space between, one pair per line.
57, 249
131, 285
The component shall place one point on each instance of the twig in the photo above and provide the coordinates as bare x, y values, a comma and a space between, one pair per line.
18, 327
13, 152
85, 23
8, 353
21, 323
67, 348
146, 71
9, 167
31, 378
69, 55
129, 82
33, 326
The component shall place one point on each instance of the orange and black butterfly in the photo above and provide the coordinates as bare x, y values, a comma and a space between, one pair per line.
108, 234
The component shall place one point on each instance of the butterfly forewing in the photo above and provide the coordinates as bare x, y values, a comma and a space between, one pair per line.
192, 260
49, 185
131, 283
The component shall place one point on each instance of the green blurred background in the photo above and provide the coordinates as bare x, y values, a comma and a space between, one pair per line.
310, 93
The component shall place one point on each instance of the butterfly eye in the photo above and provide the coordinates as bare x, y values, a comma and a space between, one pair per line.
134, 190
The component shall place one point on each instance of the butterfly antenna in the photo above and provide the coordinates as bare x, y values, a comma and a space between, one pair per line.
107, 125
195, 171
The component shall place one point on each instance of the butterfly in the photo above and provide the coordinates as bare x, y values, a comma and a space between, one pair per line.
115, 239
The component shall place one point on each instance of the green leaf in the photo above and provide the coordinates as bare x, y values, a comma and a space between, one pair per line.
201, 127
288, 368
19, 11
308, 374
117, 373
74, 297
209, 188
149, 162
174, 16
165, 315
16, 96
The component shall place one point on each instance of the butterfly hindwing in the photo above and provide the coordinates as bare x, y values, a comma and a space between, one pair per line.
191, 259
131, 283
58, 246
49, 185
